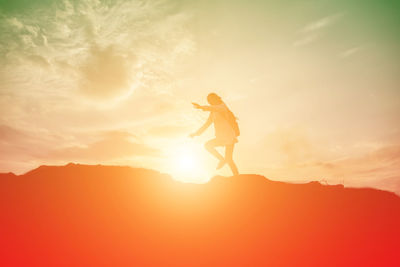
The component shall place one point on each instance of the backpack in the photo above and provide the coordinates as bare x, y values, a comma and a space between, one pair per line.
233, 122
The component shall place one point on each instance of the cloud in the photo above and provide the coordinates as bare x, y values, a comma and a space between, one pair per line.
306, 40
69, 68
312, 31
289, 146
390, 184
113, 146
7, 132
15, 23
323, 164
167, 131
321, 23
379, 168
104, 49
20, 150
295, 153
351, 51
378, 157
105, 73
22, 144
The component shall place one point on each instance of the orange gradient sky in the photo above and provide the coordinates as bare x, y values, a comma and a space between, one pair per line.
315, 86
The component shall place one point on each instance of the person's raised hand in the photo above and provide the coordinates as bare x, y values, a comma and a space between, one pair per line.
195, 105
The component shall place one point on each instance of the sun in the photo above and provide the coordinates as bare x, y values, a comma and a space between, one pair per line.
187, 163
186, 160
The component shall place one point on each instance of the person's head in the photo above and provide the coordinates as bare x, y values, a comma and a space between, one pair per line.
214, 99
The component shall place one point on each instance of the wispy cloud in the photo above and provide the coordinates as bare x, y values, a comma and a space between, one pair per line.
351, 51
312, 31
99, 47
305, 40
321, 23
105, 73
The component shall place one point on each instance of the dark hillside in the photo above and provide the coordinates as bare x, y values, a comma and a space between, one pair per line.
79, 215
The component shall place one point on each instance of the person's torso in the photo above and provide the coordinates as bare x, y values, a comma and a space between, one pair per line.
221, 124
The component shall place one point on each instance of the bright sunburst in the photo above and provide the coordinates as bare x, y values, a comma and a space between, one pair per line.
187, 163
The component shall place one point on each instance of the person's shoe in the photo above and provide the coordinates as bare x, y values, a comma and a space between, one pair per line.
221, 164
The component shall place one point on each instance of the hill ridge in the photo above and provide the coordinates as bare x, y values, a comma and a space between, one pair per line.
80, 165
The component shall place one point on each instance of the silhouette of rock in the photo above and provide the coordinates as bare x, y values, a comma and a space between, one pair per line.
81, 215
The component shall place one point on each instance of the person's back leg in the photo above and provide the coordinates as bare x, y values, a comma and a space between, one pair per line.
229, 158
210, 146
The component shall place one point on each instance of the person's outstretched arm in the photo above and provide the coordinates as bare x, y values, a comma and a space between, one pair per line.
208, 108
202, 128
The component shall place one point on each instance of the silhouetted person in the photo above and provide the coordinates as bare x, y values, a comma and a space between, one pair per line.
226, 130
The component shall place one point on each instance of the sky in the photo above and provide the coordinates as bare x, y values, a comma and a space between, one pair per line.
314, 84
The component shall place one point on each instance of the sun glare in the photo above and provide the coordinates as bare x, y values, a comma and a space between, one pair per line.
187, 163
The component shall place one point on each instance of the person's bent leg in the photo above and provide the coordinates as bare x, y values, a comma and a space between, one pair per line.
229, 159
210, 146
